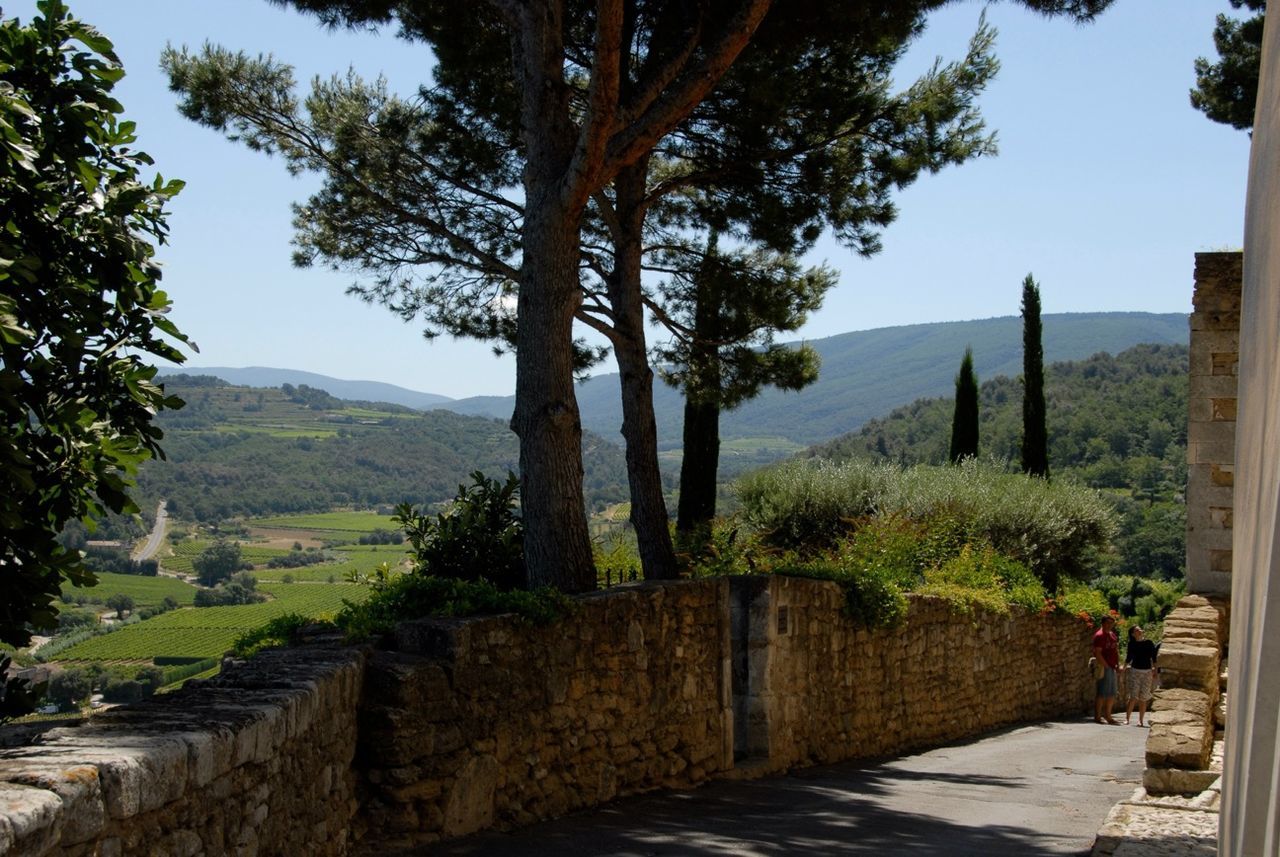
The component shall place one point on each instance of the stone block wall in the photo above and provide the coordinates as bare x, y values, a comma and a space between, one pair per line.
1211, 425
1184, 711
493, 723
821, 689
254, 762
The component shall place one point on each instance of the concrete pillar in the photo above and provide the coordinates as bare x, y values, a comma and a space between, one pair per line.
1211, 421
1250, 816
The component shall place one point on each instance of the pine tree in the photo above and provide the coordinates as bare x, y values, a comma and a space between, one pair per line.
1226, 90
1035, 437
964, 423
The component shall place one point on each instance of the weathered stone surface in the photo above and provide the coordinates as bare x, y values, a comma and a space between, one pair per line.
1147, 831
31, 819
257, 760
1181, 699
1176, 781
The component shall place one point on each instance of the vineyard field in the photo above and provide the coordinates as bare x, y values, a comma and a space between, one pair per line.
210, 631
145, 591
341, 522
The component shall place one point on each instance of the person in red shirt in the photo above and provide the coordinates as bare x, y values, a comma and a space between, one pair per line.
1106, 648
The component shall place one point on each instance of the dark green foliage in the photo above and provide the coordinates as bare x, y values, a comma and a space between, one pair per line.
240, 589
280, 631
299, 559
1035, 438
872, 598
479, 537
1227, 90
117, 561
80, 307
417, 596
71, 619
122, 690
382, 537
217, 562
70, 688
18, 696
120, 603
964, 421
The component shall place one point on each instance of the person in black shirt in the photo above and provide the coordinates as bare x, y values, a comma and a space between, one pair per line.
1140, 661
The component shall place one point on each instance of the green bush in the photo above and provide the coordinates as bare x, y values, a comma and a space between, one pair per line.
397, 598
810, 505
479, 537
1055, 529
1080, 600
280, 631
982, 577
873, 597
1151, 609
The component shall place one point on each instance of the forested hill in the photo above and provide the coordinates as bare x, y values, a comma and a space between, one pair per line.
236, 451
865, 374
1114, 420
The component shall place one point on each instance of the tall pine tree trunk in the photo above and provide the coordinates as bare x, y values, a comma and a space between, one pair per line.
697, 507
698, 470
557, 544
556, 540
639, 429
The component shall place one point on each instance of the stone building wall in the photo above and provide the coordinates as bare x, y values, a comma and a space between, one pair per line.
257, 761
1211, 424
491, 722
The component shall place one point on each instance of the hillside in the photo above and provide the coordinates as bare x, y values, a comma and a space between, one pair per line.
367, 391
1102, 412
1115, 423
253, 451
866, 374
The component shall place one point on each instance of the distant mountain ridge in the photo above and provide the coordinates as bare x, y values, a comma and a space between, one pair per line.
866, 374
362, 391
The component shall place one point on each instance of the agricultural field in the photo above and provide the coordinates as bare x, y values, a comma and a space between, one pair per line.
188, 549
343, 523
349, 559
206, 632
145, 591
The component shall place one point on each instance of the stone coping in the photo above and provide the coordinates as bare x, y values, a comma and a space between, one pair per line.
75, 781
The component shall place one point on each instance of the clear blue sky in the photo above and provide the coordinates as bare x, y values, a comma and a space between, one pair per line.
1106, 184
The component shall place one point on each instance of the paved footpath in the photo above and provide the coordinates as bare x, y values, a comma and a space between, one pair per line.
1033, 790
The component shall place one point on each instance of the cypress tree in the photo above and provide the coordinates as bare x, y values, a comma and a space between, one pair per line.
1035, 438
964, 424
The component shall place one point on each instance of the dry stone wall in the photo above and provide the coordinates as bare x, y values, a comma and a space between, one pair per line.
819, 688
490, 722
257, 761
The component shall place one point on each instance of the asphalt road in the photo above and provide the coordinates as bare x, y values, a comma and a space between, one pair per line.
156, 539
1033, 790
